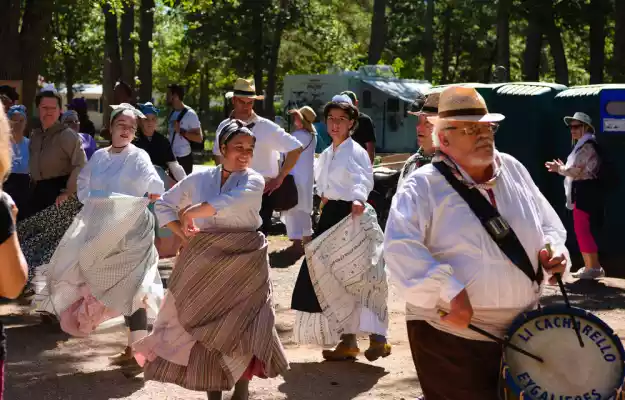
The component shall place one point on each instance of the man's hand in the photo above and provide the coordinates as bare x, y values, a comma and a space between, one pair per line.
554, 166
461, 311
358, 207
552, 264
273, 184
177, 127
62, 198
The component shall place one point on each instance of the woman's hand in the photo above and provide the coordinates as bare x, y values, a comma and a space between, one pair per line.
358, 207
554, 166
186, 220
62, 198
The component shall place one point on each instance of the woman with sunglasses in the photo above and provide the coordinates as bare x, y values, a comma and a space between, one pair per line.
583, 191
71, 120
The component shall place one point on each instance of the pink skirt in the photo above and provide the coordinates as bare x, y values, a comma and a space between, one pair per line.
581, 223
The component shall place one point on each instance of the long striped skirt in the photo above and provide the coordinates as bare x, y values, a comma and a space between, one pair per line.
216, 324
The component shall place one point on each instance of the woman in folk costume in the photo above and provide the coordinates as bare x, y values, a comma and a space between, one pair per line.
341, 290
106, 264
215, 329
17, 184
298, 220
159, 149
583, 191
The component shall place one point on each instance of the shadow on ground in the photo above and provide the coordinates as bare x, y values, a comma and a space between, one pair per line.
592, 295
282, 259
44, 363
329, 380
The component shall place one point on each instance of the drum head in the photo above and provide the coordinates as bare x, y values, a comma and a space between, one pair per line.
569, 371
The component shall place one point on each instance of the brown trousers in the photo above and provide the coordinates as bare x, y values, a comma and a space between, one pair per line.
453, 368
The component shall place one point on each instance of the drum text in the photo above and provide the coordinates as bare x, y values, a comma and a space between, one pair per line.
530, 387
559, 322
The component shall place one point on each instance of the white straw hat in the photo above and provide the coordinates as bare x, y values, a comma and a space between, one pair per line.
581, 117
458, 103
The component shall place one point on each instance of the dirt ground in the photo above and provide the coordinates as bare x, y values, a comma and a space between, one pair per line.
44, 364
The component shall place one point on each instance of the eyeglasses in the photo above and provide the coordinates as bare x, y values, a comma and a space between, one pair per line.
575, 126
473, 130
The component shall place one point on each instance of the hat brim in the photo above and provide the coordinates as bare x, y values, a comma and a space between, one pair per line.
567, 121
417, 113
248, 96
491, 117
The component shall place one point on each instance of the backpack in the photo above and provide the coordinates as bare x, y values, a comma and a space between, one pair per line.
195, 147
608, 177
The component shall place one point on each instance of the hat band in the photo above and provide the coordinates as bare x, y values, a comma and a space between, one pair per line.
462, 111
430, 109
244, 93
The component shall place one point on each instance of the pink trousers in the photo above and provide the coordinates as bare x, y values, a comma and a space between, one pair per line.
581, 223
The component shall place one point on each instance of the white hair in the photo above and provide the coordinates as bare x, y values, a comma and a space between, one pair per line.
435, 131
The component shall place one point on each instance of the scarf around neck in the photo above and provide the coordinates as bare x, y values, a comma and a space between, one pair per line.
463, 177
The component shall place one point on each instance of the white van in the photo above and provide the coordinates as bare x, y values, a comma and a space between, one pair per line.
93, 96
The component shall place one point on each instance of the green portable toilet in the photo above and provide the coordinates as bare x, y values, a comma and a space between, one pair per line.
605, 104
485, 89
527, 131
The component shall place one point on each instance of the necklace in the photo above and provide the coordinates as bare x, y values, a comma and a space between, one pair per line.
120, 147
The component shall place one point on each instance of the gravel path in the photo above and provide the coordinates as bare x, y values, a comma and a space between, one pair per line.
44, 364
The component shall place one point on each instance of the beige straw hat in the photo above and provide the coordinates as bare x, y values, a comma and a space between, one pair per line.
458, 103
307, 115
245, 88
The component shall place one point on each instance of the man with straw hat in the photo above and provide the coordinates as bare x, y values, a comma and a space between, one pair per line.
423, 107
271, 140
447, 258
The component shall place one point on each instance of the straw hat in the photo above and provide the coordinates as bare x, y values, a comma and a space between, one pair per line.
245, 88
429, 106
581, 117
457, 103
307, 115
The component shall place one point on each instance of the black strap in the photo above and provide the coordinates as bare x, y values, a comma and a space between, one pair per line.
179, 118
497, 228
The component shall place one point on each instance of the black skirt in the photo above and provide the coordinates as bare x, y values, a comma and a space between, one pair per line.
18, 187
304, 297
45, 192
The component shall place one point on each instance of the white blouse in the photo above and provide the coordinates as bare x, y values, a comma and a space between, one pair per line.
129, 172
344, 173
304, 171
435, 246
237, 202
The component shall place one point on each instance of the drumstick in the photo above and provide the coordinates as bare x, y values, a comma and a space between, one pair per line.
498, 340
566, 300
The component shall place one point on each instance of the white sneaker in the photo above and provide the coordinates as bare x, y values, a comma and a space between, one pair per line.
589, 273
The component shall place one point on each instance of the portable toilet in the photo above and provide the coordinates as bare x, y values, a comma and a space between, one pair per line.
605, 104
485, 89
527, 131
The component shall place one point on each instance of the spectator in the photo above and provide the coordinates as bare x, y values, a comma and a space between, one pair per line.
365, 131
86, 125
18, 184
71, 120
184, 127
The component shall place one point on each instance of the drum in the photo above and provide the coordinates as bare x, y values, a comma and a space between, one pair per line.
569, 371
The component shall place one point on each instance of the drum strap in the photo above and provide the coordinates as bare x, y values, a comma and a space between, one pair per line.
497, 228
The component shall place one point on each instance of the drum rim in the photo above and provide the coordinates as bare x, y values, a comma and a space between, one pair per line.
561, 309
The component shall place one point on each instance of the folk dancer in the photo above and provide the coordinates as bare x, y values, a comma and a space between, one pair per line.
441, 257
216, 327
298, 220
271, 140
583, 191
107, 265
335, 301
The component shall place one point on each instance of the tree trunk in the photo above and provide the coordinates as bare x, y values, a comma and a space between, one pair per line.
557, 49
258, 62
145, 49
597, 22
112, 68
378, 32
10, 39
503, 36
127, 28
428, 52
70, 79
274, 53
618, 59
533, 47
446, 45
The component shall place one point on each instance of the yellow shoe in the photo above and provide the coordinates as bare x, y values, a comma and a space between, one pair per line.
342, 352
377, 350
122, 358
